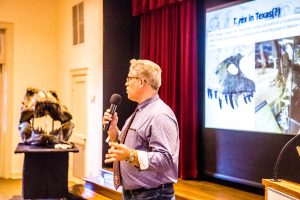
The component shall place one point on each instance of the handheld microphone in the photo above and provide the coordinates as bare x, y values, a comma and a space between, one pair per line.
115, 101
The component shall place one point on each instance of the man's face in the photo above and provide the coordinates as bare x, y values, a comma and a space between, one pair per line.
132, 85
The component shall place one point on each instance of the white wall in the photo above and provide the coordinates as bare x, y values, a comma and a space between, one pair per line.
34, 57
43, 56
87, 55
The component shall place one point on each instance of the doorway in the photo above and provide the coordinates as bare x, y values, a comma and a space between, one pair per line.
79, 113
6, 90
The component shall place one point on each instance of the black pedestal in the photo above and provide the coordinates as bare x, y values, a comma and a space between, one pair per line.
45, 172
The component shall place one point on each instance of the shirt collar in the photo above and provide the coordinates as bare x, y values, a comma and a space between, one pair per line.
148, 101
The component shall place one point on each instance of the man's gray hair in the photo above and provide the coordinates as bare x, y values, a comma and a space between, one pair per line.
147, 70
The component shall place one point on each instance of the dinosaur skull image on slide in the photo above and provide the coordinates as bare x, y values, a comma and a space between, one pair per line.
231, 86
44, 106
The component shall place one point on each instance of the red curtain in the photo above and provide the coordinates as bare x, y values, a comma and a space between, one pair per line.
168, 37
144, 6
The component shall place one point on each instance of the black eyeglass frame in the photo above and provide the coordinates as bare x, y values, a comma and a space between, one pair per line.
134, 77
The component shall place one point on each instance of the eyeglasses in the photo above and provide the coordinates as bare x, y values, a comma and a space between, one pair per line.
131, 77
134, 77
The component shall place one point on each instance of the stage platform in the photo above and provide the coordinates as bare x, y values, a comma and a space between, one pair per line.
208, 189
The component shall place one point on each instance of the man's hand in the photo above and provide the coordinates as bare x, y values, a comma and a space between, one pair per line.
116, 152
113, 130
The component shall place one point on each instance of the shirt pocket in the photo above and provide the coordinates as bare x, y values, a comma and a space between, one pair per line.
141, 141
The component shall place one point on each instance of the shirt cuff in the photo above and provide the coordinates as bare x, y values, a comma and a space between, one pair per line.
143, 160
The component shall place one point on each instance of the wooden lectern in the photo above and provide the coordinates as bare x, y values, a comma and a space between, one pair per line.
281, 190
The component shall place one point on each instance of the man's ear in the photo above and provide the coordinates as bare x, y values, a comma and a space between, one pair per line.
142, 82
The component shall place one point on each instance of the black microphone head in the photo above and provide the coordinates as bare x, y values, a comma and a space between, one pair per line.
115, 99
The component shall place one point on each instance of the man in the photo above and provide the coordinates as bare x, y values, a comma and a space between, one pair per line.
149, 156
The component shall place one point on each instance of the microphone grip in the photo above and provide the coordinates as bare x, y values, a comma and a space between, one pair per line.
112, 108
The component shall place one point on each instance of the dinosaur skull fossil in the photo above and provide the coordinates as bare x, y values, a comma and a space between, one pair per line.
44, 104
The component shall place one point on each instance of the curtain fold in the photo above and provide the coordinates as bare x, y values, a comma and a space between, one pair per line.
143, 6
168, 37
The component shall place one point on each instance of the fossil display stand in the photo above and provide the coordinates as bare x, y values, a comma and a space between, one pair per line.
45, 171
